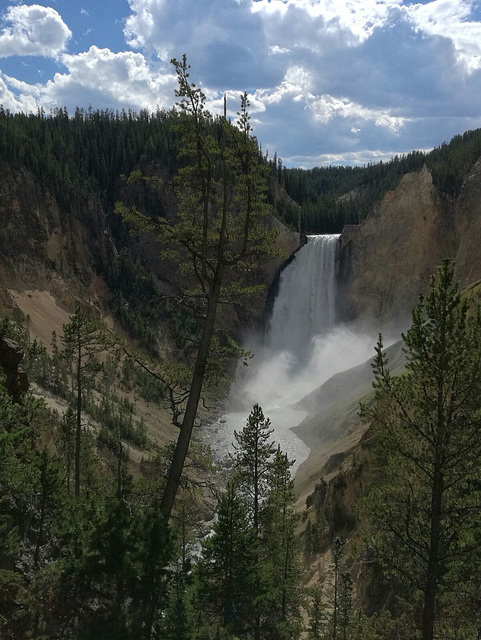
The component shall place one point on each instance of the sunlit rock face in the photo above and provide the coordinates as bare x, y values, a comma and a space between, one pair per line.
467, 222
386, 261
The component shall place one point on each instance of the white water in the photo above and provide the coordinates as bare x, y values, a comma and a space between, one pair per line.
305, 305
302, 349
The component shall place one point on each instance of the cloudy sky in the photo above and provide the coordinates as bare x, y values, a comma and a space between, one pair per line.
330, 81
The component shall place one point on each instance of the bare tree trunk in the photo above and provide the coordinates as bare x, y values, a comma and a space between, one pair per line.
433, 560
182, 446
78, 430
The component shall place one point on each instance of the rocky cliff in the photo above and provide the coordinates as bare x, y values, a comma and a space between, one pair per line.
52, 260
386, 261
46, 248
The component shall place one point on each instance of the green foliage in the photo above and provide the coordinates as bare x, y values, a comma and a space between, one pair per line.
248, 578
253, 462
281, 552
317, 613
87, 153
228, 571
12, 330
218, 234
426, 423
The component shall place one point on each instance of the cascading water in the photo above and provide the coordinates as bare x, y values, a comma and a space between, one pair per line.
305, 305
303, 347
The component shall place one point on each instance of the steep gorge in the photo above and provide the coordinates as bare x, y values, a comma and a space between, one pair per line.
52, 260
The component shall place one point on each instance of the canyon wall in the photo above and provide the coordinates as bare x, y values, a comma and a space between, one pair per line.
387, 260
52, 259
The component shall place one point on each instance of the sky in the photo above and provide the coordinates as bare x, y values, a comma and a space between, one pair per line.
329, 81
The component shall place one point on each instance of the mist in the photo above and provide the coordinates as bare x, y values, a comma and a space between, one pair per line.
279, 380
276, 379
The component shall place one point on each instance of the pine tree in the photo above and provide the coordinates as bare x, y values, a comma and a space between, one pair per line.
281, 552
424, 511
82, 339
316, 610
336, 561
254, 452
66, 442
220, 231
227, 573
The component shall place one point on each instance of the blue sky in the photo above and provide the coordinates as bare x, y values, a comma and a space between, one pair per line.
330, 81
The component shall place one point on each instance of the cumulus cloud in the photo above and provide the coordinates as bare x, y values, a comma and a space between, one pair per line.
101, 78
9, 98
450, 19
33, 31
123, 79
225, 39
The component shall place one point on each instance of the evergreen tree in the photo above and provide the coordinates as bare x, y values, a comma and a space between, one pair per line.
219, 232
66, 442
316, 610
82, 339
336, 561
281, 552
424, 511
254, 451
178, 622
227, 573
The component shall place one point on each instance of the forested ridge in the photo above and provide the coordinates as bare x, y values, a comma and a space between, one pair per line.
331, 197
84, 154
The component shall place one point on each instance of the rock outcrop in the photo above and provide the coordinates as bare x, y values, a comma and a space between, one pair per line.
467, 217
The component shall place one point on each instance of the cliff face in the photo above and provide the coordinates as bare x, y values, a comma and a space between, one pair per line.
467, 213
387, 260
51, 260
43, 247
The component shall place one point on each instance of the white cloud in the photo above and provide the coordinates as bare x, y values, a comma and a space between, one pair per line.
9, 100
224, 40
450, 19
33, 31
316, 23
298, 87
276, 50
124, 78
101, 78
355, 158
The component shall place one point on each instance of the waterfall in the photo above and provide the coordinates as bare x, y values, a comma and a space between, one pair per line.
305, 306
303, 347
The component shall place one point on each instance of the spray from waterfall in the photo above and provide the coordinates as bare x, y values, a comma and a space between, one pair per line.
303, 347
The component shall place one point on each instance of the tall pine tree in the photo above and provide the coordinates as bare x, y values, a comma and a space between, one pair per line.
425, 510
